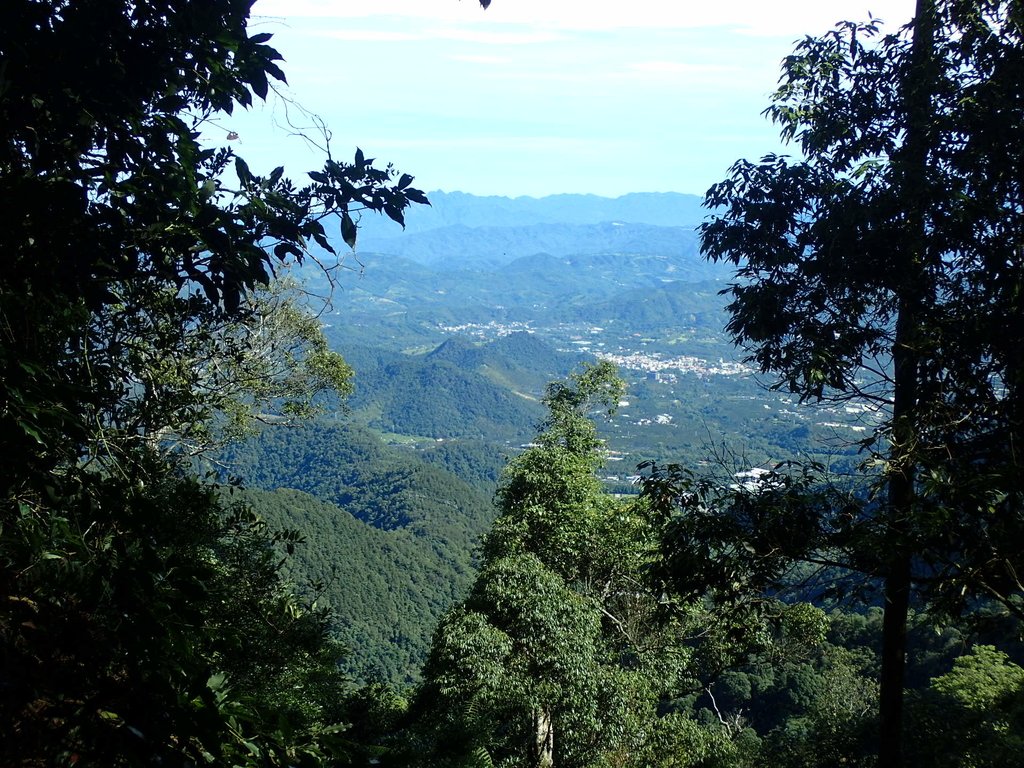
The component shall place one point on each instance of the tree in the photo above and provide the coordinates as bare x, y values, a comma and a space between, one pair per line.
837, 720
973, 714
162, 634
103, 164
557, 657
196, 379
136, 255
886, 265
522, 652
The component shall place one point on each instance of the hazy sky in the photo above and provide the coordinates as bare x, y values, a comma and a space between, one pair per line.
535, 97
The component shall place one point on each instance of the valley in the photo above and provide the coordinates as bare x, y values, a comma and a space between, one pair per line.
452, 353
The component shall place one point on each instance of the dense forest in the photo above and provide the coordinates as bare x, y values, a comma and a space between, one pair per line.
234, 534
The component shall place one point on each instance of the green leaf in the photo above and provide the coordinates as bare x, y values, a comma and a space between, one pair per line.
348, 230
417, 196
275, 71
242, 171
395, 214
216, 681
259, 84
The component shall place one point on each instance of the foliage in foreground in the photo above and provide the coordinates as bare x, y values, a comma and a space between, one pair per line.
136, 626
883, 265
151, 623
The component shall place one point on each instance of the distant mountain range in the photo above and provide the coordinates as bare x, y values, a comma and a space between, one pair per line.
460, 246
534, 288
663, 209
460, 389
459, 230
526, 261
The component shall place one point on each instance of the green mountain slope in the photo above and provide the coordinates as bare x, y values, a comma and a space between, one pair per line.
438, 399
386, 588
460, 389
389, 535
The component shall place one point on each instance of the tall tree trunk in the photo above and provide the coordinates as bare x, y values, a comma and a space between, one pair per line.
897, 538
912, 285
543, 739
894, 630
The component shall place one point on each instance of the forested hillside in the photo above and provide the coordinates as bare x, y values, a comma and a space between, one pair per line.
459, 389
381, 526
385, 588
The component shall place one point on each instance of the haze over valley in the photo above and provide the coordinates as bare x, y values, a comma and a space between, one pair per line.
585, 278
454, 329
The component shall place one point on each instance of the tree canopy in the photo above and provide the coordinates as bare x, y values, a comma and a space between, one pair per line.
883, 264
141, 618
527, 669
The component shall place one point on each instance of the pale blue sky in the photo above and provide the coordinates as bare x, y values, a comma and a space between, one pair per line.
535, 97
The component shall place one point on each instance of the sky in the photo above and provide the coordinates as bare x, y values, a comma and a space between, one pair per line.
534, 97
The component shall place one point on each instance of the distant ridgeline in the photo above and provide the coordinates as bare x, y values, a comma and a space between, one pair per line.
541, 262
453, 209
